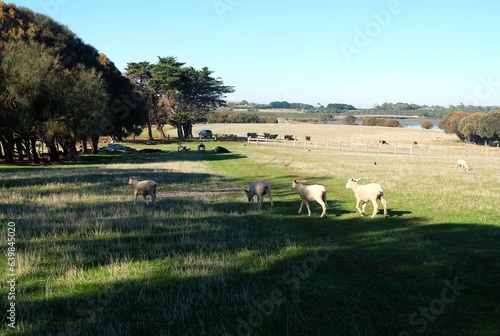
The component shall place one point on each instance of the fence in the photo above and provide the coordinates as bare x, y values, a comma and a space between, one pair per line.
408, 149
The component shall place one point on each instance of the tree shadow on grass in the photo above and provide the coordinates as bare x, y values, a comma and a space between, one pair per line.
235, 270
204, 264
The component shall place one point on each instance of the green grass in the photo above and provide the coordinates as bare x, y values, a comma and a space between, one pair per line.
205, 262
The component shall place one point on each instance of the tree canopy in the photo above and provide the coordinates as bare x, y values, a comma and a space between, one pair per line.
57, 90
178, 94
480, 128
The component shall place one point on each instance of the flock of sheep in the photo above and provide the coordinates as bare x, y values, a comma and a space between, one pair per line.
363, 193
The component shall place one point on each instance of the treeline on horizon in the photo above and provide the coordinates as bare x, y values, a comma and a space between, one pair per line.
425, 111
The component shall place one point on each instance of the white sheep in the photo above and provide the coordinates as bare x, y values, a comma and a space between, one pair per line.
313, 192
260, 188
461, 164
144, 188
367, 193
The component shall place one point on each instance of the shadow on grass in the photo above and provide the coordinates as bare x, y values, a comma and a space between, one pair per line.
234, 270
209, 264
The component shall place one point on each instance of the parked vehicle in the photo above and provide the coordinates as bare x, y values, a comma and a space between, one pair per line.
206, 133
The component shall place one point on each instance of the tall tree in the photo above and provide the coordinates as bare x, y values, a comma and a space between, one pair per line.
186, 93
56, 88
140, 75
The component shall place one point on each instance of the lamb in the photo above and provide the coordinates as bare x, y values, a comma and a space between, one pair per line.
367, 192
144, 188
461, 164
315, 192
260, 188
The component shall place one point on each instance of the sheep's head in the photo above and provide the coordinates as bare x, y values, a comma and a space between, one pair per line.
248, 194
295, 183
350, 182
132, 180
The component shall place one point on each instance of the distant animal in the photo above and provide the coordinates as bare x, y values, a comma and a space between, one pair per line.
314, 192
220, 149
144, 188
383, 142
462, 164
375, 163
259, 188
367, 193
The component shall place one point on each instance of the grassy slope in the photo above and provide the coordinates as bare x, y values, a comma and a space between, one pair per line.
206, 262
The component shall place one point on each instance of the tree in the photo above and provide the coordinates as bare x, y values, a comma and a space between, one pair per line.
488, 127
349, 120
451, 122
57, 89
427, 124
186, 93
140, 74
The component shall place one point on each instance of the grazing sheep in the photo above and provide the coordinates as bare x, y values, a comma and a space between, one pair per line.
220, 149
144, 188
313, 192
365, 193
461, 164
259, 188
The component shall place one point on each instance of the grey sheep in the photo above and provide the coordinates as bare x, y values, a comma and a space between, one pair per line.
259, 188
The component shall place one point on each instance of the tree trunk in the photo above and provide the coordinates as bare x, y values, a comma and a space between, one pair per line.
95, 144
180, 135
70, 150
52, 149
150, 131
85, 148
8, 148
36, 159
188, 129
19, 146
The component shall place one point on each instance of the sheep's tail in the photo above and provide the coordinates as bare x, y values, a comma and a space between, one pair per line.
380, 194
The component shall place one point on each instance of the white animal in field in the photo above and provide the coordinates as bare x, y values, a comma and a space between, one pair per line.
259, 188
144, 188
314, 192
367, 193
462, 164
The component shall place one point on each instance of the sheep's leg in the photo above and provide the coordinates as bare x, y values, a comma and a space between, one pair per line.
270, 198
362, 212
260, 199
323, 206
375, 208
308, 208
301, 205
135, 199
384, 203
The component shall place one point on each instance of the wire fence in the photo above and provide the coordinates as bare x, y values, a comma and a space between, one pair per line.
386, 148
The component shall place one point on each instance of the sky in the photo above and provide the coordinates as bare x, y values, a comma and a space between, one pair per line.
356, 52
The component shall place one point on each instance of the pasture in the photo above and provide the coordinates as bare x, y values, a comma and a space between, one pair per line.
205, 262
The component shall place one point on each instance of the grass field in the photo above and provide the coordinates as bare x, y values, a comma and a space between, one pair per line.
322, 132
205, 262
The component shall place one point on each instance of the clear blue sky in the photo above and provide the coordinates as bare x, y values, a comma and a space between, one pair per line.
321, 51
